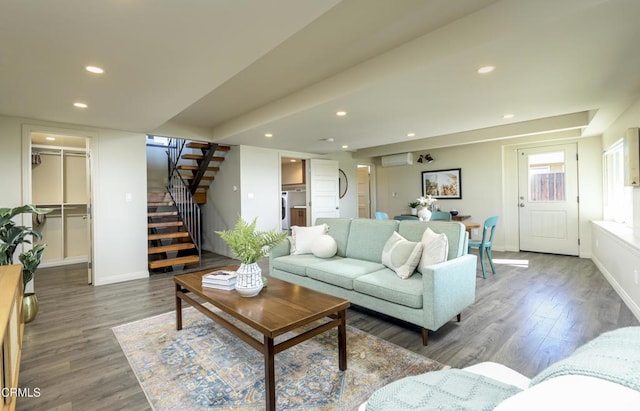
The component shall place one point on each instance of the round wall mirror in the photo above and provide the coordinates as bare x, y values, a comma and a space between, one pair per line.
342, 183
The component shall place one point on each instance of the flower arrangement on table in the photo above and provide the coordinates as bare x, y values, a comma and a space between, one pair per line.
425, 203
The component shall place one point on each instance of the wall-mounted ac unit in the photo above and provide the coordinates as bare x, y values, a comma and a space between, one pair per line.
631, 151
403, 159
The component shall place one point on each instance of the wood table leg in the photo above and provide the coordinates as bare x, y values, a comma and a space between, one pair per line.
269, 374
178, 309
342, 340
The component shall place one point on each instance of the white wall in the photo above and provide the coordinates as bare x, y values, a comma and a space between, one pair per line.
489, 184
119, 167
617, 247
616, 252
156, 168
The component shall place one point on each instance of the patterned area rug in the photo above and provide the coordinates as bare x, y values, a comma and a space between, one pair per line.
204, 366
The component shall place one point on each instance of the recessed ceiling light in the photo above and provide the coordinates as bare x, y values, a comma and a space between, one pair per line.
50, 138
80, 105
411, 134
94, 69
268, 135
293, 160
345, 146
486, 69
508, 116
341, 113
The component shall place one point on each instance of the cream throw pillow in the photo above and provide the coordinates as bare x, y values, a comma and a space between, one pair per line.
303, 238
436, 249
401, 255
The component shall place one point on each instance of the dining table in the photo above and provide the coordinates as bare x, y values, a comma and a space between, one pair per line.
470, 225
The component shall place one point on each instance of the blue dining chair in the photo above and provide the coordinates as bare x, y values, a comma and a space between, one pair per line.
381, 215
484, 245
406, 217
440, 216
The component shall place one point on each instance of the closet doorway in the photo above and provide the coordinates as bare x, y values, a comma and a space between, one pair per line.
59, 178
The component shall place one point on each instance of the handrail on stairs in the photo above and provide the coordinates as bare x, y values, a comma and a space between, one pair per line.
188, 208
176, 145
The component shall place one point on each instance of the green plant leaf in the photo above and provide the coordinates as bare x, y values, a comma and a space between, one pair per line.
250, 245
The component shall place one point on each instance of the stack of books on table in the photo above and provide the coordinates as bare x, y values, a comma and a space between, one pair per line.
221, 279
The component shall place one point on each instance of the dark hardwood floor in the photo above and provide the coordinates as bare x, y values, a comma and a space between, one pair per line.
537, 309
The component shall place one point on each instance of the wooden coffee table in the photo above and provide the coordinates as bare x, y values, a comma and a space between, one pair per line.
279, 308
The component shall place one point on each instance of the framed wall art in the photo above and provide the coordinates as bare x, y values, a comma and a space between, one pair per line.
442, 184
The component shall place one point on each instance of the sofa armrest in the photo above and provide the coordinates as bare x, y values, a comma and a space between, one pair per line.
448, 288
280, 250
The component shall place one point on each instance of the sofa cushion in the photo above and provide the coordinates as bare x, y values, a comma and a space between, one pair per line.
386, 285
303, 237
435, 249
324, 246
339, 230
612, 356
367, 238
297, 264
342, 271
441, 390
401, 256
455, 232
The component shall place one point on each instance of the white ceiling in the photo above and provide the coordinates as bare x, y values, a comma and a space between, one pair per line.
239, 69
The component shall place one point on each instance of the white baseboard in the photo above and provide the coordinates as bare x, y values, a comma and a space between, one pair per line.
635, 309
121, 278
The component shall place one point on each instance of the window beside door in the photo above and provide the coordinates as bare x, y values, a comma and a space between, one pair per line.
618, 199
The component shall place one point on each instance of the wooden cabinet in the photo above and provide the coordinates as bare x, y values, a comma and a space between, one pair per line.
11, 330
299, 217
293, 173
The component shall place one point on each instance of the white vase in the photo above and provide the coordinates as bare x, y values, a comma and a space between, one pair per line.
249, 281
424, 214
414, 211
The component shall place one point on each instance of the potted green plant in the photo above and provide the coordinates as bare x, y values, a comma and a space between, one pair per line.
13, 235
413, 205
249, 246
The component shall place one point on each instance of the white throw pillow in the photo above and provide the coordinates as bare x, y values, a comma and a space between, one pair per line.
324, 246
303, 238
401, 255
436, 249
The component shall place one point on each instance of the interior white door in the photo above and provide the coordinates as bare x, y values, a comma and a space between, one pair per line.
325, 190
548, 199
89, 215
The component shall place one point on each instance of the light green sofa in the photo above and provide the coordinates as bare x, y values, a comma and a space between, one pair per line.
356, 273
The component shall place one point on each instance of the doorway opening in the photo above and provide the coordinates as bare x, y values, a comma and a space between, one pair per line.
58, 177
293, 179
364, 191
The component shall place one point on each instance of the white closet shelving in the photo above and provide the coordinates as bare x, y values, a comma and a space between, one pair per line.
59, 181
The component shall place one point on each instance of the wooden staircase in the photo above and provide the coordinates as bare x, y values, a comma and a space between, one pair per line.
169, 242
198, 165
174, 230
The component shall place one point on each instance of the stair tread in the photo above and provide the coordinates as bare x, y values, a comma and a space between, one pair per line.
165, 224
197, 144
174, 261
178, 234
208, 178
199, 157
171, 247
161, 213
159, 203
194, 168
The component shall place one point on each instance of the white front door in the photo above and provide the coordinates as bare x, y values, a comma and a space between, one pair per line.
548, 199
325, 190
